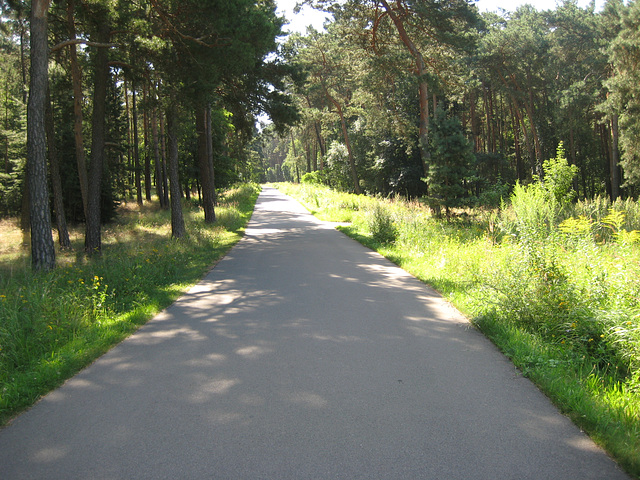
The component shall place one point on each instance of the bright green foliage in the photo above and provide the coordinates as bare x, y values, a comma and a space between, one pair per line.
625, 89
53, 325
615, 221
539, 206
558, 178
380, 223
563, 308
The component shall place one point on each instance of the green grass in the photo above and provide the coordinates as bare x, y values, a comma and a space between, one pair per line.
564, 308
53, 324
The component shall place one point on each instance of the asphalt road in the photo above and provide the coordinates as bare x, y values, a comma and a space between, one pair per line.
302, 355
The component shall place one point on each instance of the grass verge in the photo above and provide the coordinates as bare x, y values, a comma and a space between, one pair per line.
53, 324
564, 309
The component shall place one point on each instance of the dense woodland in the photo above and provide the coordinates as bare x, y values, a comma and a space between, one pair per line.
426, 98
158, 99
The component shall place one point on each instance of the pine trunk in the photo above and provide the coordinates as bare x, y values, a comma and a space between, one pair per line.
56, 182
42, 246
136, 149
76, 80
206, 181
615, 158
177, 221
93, 242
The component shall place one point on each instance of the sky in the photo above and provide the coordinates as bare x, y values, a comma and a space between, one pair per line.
308, 16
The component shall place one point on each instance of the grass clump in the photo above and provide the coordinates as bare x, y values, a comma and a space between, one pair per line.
554, 284
53, 324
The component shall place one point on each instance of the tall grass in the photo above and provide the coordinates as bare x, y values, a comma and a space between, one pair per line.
556, 289
52, 324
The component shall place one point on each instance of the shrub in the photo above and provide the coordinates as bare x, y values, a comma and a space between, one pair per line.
380, 224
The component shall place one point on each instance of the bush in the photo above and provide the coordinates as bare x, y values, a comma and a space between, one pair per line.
313, 178
380, 224
540, 206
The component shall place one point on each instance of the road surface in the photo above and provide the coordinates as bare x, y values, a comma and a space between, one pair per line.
302, 355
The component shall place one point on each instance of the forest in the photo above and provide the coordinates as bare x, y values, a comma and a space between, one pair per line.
111, 100
431, 99
494, 156
423, 99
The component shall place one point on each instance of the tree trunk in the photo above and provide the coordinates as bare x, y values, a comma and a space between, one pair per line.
147, 157
163, 151
93, 242
423, 93
23, 62
210, 155
136, 149
56, 183
345, 135
156, 158
76, 80
42, 247
615, 158
206, 181
177, 221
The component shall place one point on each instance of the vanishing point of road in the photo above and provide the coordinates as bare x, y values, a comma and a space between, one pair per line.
301, 355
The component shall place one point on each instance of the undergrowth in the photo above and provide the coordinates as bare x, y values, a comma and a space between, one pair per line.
553, 283
53, 324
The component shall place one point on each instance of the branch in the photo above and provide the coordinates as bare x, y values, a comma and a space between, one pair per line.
225, 42
77, 41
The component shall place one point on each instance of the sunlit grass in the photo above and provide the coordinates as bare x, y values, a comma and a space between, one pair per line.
52, 324
565, 309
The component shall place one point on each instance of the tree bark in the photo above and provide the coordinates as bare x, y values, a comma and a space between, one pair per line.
615, 158
136, 149
177, 221
145, 129
210, 155
42, 246
56, 183
206, 181
76, 80
163, 151
93, 242
423, 90
156, 158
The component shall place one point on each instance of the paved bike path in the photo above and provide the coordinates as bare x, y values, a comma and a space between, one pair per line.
301, 355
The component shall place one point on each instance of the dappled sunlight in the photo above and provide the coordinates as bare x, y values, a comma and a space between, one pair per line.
253, 352
147, 337
306, 399
51, 454
256, 232
303, 348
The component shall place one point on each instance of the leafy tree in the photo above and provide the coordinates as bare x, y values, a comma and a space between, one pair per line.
558, 178
625, 88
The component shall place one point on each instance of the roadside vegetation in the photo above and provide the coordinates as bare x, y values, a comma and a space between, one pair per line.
53, 324
552, 282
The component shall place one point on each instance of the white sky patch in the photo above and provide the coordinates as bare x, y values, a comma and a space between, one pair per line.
308, 16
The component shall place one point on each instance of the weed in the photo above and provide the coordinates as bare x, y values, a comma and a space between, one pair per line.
52, 324
543, 281
380, 224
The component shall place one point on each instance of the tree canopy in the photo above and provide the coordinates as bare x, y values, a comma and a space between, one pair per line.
419, 98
